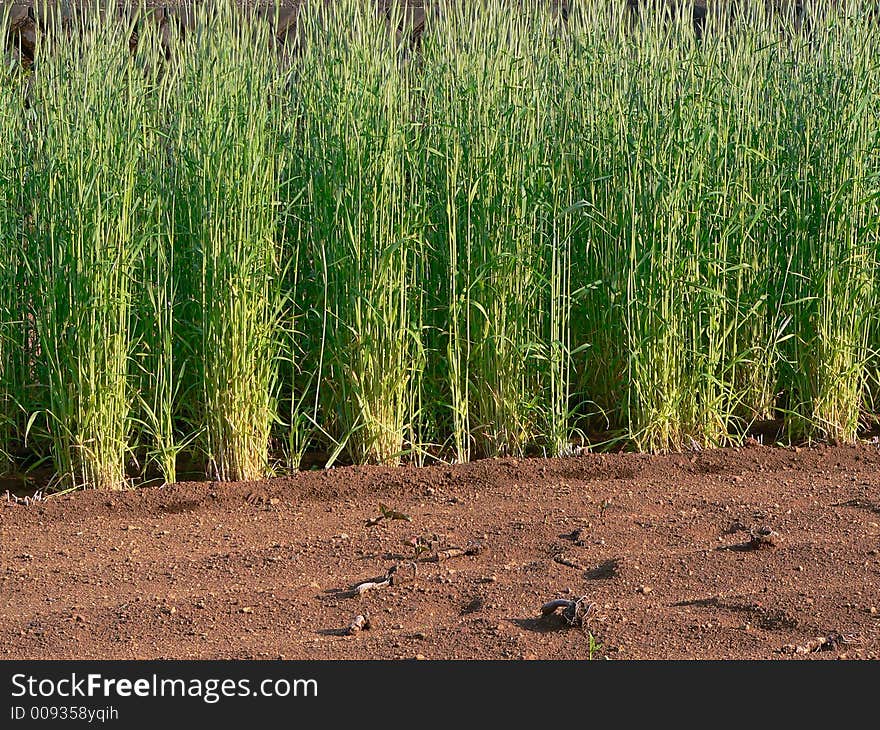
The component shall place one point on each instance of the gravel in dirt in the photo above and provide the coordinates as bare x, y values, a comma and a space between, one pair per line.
670, 554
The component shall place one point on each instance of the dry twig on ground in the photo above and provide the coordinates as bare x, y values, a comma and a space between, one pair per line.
576, 613
396, 575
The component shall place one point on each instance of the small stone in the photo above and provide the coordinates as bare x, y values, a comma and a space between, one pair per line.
361, 622
247, 609
873, 610
644, 590
421, 657
764, 537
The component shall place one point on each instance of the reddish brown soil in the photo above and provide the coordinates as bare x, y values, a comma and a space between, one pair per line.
206, 570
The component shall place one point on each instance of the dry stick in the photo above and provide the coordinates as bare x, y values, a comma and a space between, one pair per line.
562, 559
575, 613
394, 577
474, 548
553, 606
370, 585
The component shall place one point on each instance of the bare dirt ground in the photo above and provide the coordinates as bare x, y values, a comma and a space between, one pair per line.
660, 545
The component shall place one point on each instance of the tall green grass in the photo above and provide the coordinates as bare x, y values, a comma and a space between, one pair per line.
518, 234
11, 314
361, 227
224, 136
86, 147
830, 227
654, 158
704, 159
157, 363
500, 244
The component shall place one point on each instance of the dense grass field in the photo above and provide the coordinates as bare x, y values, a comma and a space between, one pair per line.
522, 233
